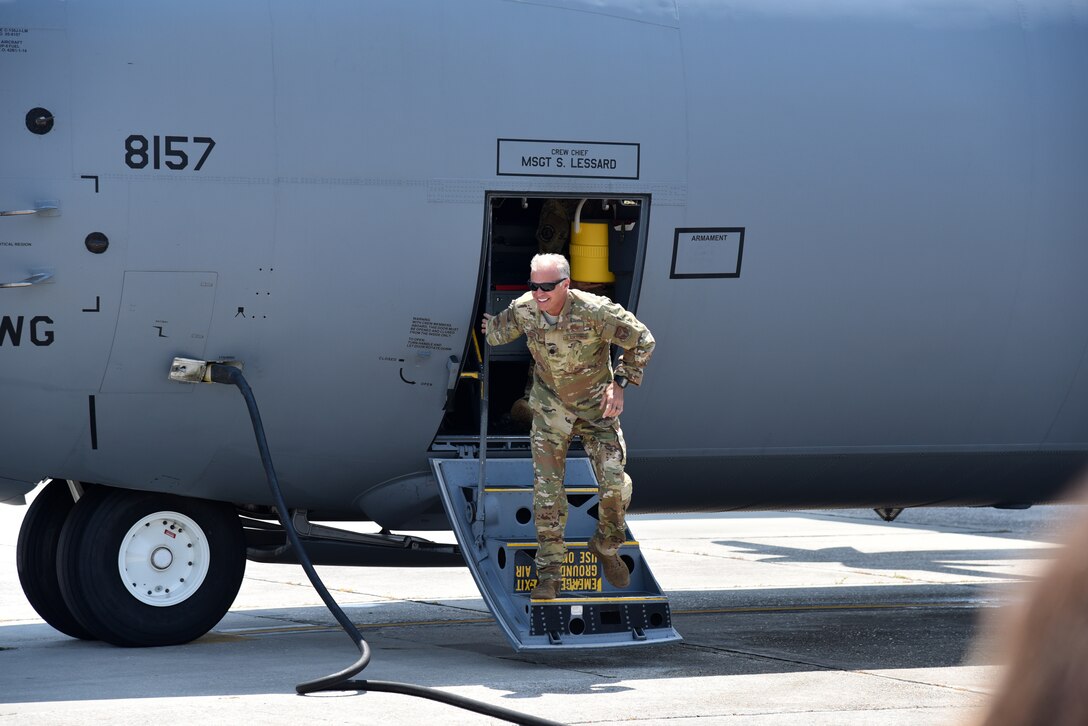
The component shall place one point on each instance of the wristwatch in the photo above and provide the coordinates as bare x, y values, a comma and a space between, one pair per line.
621, 381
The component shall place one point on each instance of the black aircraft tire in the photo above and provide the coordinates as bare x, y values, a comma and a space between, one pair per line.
36, 558
146, 569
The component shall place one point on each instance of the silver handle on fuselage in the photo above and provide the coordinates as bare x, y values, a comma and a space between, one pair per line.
35, 279
42, 208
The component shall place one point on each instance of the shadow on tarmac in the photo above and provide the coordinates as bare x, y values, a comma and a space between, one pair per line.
954, 562
745, 632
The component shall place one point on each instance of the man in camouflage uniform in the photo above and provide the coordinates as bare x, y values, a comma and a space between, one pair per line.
575, 391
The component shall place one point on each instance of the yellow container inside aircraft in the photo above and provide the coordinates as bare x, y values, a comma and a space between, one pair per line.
589, 253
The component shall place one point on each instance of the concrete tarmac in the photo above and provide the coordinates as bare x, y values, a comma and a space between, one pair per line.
800, 618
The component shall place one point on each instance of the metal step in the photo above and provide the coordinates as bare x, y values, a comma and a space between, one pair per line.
500, 551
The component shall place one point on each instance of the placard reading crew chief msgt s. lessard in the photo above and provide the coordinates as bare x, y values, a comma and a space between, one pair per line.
585, 159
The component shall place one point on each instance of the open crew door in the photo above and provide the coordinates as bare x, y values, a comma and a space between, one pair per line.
606, 254
500, 547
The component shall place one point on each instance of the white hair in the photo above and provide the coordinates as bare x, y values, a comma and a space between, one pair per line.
559, 262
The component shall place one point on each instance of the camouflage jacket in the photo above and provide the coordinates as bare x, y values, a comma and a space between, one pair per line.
573, 356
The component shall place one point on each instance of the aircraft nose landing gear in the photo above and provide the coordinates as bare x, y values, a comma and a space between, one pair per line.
164, 558
36, 557
146, 569
130, 568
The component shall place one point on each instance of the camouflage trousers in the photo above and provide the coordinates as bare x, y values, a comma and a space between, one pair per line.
553, 427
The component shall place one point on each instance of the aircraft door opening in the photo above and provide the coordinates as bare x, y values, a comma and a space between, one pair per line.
603, 237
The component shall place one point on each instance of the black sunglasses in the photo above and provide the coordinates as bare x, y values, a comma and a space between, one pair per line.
545, 286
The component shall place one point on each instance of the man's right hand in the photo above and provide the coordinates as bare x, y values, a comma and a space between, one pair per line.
483, 323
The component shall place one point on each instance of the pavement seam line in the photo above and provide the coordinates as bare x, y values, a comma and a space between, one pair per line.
821, 666
757, 714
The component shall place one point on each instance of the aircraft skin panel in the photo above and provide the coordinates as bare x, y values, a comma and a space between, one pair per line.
218, 78
910, 182
911, 286
1072, 418
704, 481
657, 12
379, 95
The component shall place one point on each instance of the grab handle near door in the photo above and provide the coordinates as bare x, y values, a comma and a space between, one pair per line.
37, 278
43, 209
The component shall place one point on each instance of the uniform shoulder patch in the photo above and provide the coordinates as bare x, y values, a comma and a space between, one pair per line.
622, 333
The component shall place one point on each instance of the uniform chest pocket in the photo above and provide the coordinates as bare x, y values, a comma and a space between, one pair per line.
542, 344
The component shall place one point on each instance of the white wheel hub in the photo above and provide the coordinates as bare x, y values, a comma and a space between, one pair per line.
163, 559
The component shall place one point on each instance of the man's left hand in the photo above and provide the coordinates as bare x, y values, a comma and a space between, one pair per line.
612, 405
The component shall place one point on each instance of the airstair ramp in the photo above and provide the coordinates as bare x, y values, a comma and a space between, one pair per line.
500, 552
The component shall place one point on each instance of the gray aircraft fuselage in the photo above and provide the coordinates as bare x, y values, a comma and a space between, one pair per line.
305, 187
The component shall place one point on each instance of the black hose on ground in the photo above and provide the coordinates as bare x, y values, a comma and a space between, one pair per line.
341, 681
